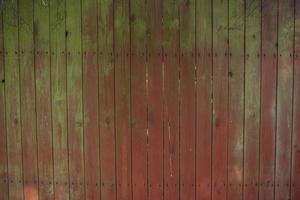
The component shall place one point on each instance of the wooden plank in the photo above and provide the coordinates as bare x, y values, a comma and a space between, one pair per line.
59, 99
12, 100
284, 99
295, 192
236, 99
122, 101
204, 102
74, 96
220, 99
90, 100
171, 98
3, 136
138, 98
187, 99
43, 99
107, 100
28, 107
268, 98
252, 99
155, 100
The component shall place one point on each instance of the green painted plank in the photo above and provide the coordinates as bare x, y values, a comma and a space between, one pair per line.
74, 96
90, 99
204, 90
43, 99
138, 30
122, 101
107, 99
252, 99
28, 108
284, 99
187, 99
59, 99
220, 99
155, 99
3, 136
12, 100
236, 99
171, 53
268, 98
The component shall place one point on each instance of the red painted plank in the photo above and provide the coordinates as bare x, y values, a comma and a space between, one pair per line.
107, 101
268, 98
236, 99
187, 99
284, 99
12, 101
43, 100
90, 100
74, 98
138, 98
296, 117
28, 109
171, 98
252, 99
204, 106
3, 136
155, 101
123, 105
220, 99
59, 99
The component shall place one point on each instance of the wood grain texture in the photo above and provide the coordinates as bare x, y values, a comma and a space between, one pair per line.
171, 97
284, 100
236, 73
90, 100
3, 133
12, 101
295, 192
220, 99
187, 97
107, 99
59, 99
28, 103
155, 101
123, 101
268, 98
204, 99
74, 99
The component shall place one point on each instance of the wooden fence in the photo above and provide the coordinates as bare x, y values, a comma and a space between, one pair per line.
150, 99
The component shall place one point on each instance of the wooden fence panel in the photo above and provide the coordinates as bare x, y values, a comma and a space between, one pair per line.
140, 99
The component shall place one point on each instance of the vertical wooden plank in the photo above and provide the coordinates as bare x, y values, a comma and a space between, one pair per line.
107, 99
138, 98
28, 109
236, 99
268, 98
155, 100
59, 99
90, 100
171, 97
252, 99
284, 99
187, 99
204, 101
74, 96
3, 136
12, 100
220, 99
296, 117
43, 99
122, 95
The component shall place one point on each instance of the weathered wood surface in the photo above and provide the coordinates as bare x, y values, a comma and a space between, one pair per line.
140, 99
